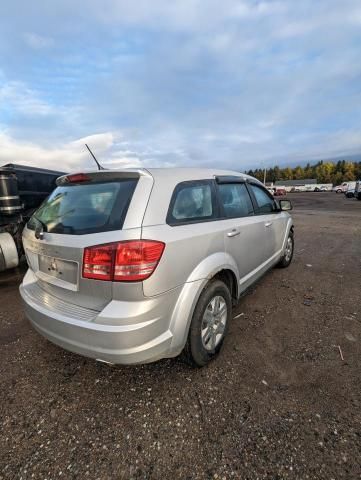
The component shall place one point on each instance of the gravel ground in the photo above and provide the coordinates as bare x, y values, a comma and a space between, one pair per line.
278, 403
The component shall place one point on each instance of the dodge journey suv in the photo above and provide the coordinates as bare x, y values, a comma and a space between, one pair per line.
131, 266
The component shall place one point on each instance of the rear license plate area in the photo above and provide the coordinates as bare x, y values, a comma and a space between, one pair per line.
58, 271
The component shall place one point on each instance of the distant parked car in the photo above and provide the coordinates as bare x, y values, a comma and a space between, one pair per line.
279, 192
341, 188
130, 266
322, 188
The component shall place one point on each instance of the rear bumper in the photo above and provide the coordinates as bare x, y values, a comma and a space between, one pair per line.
144, 336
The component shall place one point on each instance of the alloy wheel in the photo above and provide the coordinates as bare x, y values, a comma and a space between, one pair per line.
214, 323
289, 248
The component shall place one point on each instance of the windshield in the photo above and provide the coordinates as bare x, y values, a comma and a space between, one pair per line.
86, 208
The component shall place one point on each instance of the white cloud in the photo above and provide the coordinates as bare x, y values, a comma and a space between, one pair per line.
109, 148
99, 141
38, 41
69, 156
232, 150
295, 29
179, 15
180, 82
15, 95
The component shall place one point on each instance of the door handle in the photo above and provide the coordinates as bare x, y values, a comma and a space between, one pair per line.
233, 233
268, 224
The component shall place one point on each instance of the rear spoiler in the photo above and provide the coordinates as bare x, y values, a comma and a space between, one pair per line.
101, 176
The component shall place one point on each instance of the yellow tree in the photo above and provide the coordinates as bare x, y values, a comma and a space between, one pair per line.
298, 173
287, 173
349, 172
324, 172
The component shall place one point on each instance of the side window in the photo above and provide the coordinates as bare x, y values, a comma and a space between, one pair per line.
192, 202
265, 203
235, 199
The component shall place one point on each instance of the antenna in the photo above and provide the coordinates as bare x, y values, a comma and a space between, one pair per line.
95, 160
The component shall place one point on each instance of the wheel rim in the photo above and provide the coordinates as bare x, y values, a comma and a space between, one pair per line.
289, 247
214, 323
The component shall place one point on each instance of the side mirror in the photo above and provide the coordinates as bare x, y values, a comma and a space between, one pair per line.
285, 205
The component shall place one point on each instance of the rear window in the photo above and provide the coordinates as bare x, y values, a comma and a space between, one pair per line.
192, 202
85, 208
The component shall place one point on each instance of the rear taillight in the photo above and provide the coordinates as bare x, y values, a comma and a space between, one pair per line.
136, 260
98, 262
128, 261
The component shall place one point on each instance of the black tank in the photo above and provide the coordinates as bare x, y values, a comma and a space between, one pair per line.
10, 202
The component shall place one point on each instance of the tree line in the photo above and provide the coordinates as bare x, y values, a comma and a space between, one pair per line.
324, 172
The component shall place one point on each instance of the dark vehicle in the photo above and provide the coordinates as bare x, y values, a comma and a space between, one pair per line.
22, 190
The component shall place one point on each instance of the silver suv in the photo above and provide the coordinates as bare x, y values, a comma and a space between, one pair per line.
131, 266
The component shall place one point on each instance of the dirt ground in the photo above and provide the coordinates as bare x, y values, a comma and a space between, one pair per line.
278, 403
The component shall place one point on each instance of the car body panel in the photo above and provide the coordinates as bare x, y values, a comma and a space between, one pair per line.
138, 322
178, 259
56, 248
248, 231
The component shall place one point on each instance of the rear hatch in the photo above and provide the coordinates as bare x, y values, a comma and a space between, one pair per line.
83, 211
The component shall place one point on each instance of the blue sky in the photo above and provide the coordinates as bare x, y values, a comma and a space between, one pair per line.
233, 84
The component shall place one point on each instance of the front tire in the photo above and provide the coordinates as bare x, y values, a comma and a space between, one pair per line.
209, 325
288, 254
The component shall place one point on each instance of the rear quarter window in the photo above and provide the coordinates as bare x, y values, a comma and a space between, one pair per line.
192, 202
85, 208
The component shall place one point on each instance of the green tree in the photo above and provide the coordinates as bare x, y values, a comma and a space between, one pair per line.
324, 172
349, 174
298, 173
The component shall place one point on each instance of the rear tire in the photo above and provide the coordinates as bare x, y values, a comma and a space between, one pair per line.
288, 254
209, 325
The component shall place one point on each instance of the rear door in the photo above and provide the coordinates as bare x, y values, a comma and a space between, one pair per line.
95, 209
243, 232
192, 231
